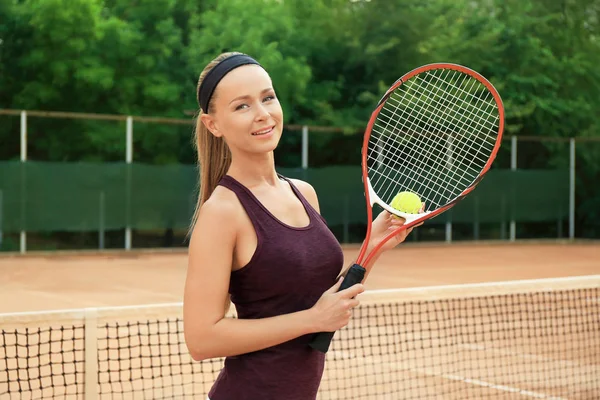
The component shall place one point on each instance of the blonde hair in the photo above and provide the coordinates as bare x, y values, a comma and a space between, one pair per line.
214, 156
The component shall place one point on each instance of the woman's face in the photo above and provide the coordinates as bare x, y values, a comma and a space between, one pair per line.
246, 111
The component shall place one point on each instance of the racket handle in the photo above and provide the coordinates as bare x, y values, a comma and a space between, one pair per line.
322, 340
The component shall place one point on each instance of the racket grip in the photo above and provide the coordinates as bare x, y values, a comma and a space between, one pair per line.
322, 340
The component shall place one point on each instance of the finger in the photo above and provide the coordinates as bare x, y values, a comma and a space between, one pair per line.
396, 220
353, 303
353, 291
385, 214
394, 227
335, 287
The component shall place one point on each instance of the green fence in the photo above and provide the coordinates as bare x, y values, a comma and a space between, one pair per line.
79, 197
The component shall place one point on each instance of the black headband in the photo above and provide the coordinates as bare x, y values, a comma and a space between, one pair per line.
214, 76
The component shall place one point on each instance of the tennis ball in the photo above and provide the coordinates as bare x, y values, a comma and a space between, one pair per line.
407, 202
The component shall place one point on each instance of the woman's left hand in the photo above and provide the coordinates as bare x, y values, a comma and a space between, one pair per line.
383, 225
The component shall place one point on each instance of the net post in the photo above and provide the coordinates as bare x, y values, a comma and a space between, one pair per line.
23, 234
572, 188
91, 354
128, 160
448, 231
304, 147
513, 167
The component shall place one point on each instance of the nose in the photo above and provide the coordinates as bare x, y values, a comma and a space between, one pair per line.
262, 113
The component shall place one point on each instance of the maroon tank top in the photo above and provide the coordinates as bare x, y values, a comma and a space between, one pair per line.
289, 271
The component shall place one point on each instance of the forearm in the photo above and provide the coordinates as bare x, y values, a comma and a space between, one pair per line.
232, 336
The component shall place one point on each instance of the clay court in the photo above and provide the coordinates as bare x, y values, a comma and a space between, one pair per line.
466, 346
67, 280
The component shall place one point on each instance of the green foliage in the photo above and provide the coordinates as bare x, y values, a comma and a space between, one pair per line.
264, 34
330, 61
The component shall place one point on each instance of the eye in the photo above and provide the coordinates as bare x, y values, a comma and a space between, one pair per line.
241, 106
269, 98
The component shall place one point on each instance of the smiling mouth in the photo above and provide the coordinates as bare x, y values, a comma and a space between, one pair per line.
264, 131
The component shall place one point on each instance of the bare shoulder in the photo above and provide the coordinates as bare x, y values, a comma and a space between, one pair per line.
308, 191
217, 216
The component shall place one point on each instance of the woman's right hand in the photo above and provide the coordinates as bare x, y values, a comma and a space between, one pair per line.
333, 309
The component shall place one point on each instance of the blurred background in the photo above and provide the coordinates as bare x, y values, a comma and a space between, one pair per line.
97, 107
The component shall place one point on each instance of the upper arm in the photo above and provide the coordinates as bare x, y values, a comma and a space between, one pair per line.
308, 192
209, 267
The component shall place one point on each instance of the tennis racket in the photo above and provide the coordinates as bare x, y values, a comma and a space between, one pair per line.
435, 133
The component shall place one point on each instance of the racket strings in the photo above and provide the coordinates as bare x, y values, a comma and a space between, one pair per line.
441, 112
463, 153
482, 121
417, 170
426, 148
446, 105
405, 151
418, 178
427, 145
420, 175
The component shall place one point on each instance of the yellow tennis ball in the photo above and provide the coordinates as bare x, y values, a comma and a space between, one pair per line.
407, 202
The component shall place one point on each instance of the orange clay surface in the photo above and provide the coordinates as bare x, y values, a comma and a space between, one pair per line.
49, 281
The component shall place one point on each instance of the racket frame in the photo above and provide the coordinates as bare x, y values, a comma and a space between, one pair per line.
415, 219
322, 340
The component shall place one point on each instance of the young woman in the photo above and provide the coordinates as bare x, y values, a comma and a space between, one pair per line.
258, 240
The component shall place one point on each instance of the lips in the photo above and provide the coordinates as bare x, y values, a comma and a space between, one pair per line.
263, 131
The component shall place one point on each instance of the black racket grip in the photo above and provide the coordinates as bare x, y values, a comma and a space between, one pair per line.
322, 340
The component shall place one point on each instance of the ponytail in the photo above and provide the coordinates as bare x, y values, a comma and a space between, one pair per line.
214, 156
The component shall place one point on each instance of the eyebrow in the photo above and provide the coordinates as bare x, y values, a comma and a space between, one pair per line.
248, 96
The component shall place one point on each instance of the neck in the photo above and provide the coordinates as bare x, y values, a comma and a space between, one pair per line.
254, 169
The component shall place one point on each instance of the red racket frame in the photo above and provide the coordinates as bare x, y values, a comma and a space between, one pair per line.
440, 210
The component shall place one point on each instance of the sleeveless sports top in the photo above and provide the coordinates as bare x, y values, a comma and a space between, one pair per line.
289, 271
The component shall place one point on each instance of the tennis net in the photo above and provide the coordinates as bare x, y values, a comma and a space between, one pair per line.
523, 339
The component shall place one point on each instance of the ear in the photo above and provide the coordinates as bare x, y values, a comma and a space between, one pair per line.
210, 124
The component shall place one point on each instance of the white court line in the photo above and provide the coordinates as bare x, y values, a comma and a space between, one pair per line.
526, 356
526, 393
476, 382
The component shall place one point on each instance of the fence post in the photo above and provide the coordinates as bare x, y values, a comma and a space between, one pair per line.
23, 235
450, 162
1, 193
476, 218
345, 220
128, 160
448, 231
572, 189
304, 147
513, 167
503, 216
101, 223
